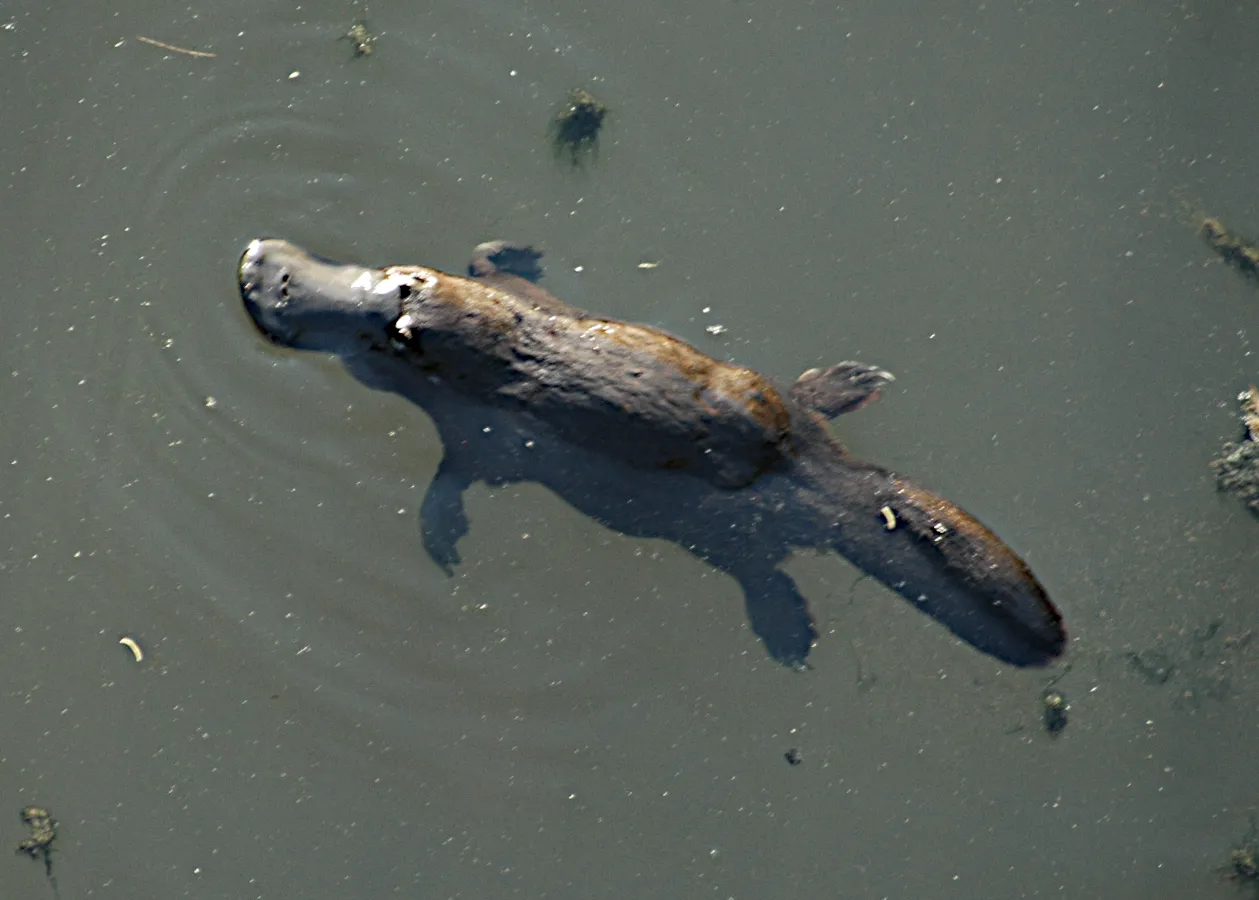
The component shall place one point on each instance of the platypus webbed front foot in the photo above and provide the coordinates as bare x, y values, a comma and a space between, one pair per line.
493, 257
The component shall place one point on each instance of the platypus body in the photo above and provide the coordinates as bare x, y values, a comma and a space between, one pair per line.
650, 437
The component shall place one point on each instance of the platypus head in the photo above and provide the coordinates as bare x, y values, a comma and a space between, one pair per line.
303, 301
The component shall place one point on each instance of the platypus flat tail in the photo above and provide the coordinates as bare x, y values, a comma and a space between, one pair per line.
950, 566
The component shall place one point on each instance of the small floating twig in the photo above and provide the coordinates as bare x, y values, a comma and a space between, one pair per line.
134, 646
201, 54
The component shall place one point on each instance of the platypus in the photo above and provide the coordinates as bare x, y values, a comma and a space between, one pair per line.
649, 436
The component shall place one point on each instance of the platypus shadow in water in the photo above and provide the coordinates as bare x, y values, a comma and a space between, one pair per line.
648, 436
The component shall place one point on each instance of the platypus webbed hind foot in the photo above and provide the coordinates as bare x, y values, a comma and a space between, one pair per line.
840, 388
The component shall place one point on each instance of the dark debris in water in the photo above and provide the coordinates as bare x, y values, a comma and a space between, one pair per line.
1199, 663
360, 38
1155, 666
575, 129
1055, 712
43, 833
1237, 251
1237, 470
1243, 859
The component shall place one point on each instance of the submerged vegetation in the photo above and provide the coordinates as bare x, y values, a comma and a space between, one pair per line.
1237, 471
1237, 251
1243, 860
575, 128
1054, 715
43, 832
360, 38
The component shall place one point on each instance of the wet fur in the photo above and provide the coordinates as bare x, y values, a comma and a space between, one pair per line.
652, 438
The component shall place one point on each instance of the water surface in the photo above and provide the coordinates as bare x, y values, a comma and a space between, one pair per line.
986, 199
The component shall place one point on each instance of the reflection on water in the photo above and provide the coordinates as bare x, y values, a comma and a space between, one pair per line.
321, 712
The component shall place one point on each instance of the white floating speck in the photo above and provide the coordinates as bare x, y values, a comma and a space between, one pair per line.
133, 645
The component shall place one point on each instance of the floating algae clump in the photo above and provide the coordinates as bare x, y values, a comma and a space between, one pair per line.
575, 129
1241, 254
1237, 471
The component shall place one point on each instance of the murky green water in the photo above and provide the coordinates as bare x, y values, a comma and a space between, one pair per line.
985, 199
